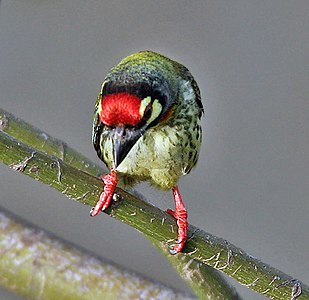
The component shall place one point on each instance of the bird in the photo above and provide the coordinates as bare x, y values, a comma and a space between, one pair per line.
147, 127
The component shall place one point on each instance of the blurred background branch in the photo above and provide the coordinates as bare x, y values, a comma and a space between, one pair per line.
37, 265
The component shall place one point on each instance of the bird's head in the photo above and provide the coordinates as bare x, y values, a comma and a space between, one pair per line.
140, 93
128, 111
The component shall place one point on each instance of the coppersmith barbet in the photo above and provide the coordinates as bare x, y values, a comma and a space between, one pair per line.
147, 128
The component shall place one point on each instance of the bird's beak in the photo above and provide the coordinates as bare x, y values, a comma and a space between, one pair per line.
124, 139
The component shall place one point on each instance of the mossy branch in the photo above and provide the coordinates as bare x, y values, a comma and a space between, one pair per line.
36, 265
42, 141
205, 281
202, 248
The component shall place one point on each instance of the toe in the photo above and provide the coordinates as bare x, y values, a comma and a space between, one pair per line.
171, 212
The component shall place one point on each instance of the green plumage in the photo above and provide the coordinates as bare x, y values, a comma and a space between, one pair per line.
169, 146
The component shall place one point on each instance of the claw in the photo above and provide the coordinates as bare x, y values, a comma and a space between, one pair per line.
176, 248
172, 251
171, 212
91, 211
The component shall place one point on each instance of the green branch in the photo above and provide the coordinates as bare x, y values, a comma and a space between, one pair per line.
204, 280
202, 248
44, 142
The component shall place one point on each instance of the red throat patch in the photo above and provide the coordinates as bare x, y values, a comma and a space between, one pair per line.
120, 109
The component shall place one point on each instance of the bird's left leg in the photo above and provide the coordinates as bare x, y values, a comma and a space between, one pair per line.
181, 216
110, 182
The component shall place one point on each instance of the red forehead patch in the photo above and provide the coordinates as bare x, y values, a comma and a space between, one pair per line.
120, 109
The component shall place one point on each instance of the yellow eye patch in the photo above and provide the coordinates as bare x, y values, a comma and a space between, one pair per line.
155, 109
144, 104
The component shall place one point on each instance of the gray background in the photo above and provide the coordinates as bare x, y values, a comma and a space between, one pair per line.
250, 59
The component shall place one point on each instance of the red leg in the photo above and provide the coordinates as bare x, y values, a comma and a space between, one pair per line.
180, 214
110, 180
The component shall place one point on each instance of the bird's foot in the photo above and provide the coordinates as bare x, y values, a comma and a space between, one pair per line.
110, 182
182, 223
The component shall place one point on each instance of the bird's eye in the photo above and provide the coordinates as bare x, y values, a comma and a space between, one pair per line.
145, 105
149, 110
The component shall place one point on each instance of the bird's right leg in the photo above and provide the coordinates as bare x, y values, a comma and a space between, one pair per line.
110, 182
